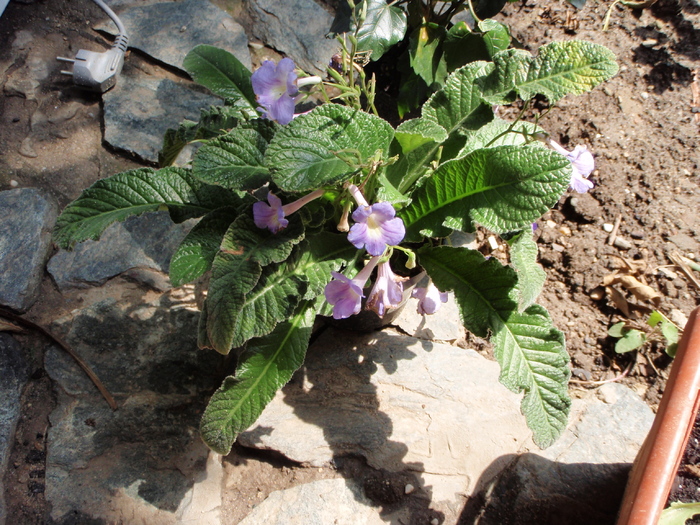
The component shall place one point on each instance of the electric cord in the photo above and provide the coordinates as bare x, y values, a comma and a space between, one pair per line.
98, 71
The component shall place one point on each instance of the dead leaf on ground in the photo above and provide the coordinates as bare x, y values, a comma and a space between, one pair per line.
640, 290
7, 326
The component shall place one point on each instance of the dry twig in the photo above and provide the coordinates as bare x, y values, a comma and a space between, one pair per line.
86, 368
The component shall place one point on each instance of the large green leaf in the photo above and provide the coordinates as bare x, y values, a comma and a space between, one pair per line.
458, 109
384, 26
197, 250
273, 299
236, 270
214, 121
560, 68
418, 131
325, 146
223, 74
529, 349
235, 160
426, 54
266, 366
531, 276
496, 36
500, 132
504, 189
135, 192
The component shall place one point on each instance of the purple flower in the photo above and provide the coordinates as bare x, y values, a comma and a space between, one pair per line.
376, 226
345, 294
387, 292
582, 163
429, 299
275, 87
272, 215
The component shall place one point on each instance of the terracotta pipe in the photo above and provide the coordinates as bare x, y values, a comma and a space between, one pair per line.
660, 456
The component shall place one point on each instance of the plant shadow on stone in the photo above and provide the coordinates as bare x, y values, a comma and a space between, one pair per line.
533, 489
334, 392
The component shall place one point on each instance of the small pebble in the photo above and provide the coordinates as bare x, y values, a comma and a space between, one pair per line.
493, 243
409, 488
637, 235
435, 521
551, 224
608, 227
651, 42
644, 95
565, 230
623, 244
14, 183
558, 247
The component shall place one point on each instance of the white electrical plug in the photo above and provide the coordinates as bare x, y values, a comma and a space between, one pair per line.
97, 71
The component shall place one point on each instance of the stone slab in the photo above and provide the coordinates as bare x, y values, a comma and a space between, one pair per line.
336, 501
28, 217
438, 411
296, 28
167, 31
14, 372
402, 403
138, 112
144, 242
145, 462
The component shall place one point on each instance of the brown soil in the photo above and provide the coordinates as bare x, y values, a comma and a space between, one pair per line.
640, 126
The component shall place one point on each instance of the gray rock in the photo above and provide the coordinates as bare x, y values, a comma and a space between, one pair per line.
28, 216
296, 28
167, 31
14, 373
444, 325
145, 462
146, 241
581, 478
402, 403
326, 501
439, 412
138, 112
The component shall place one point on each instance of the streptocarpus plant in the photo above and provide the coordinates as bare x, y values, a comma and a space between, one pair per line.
308, 215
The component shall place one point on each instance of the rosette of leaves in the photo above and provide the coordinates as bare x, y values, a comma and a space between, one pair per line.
454, 167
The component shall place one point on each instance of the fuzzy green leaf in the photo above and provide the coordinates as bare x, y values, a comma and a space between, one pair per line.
325, 147
324, 253
504, 189
500, 132
236, 270
678, 513
529, 349
266, 366
384, 26
560, 68
235, 160
668, 329
418, 131
496, 36
459, 110
213, 122
273, 299
197, 250
223, 74
133, 193
462, 46
531, 276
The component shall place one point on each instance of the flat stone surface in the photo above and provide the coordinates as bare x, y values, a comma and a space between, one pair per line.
138, 112
143, 242
28, 217
443, 325
402, 403
14, 372
167, 31
439, 412
145, 462
296, 28
581, 478
336, 501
